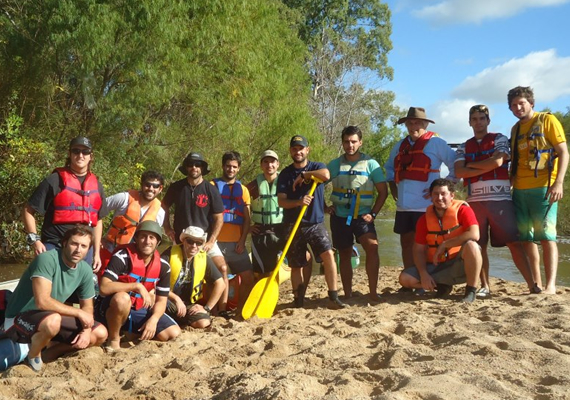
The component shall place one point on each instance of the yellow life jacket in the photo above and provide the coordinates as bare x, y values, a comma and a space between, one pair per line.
197, 274
441, 229
540, 152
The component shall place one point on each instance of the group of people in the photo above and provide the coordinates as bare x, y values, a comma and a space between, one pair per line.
150, 296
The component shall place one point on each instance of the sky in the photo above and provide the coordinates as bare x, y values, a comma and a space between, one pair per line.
451, 54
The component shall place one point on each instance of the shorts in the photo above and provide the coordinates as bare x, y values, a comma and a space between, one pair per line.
26, 324
136, 319
237, 263
536, 218
265, 248
316, 236
499, 217
186, 320
342, 234
406, 221
215, 251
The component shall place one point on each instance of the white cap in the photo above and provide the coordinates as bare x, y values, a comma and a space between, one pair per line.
195, 233
269, 153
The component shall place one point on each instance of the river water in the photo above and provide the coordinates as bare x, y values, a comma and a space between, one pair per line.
502, 265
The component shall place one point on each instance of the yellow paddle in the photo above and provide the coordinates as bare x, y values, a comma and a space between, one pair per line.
264, 295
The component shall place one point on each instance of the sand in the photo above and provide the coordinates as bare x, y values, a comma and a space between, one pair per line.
512, 346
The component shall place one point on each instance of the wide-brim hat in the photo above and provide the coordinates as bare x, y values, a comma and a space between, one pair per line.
415, 113
194, 232
194, 157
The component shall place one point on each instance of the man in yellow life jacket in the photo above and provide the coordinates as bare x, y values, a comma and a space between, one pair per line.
445, 248
540, 161
190, 269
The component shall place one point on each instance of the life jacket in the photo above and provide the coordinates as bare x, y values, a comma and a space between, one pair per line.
147, 275
442, 229
478, 151
411, 161
233, 201
352, 188
265, 209
197, 274
123, 227
77, 204
541, 154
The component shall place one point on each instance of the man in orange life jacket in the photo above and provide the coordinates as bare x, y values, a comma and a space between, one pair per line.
133, 207
70, 195
445, 249
540, 161
135, 289
414, 162
482, 162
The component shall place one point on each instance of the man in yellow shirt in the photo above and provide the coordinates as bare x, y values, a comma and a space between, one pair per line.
540, 160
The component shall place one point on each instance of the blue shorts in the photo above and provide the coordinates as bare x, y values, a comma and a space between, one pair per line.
536, 218
499, 217
316, 236
342, 234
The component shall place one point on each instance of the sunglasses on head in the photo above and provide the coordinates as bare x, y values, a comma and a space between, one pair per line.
191, 242
479, 108
85, 152
151, 184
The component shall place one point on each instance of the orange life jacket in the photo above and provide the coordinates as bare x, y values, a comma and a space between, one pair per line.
441, 229
411, 161
478, 151
76, 203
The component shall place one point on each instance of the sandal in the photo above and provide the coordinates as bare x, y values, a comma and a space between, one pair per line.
483, 293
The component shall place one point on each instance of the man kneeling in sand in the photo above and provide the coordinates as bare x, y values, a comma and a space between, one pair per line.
135, 289
445, 249
190, 266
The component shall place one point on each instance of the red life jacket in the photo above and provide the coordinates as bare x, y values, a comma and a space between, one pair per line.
411, 161
478, 151
147, 275
77, 204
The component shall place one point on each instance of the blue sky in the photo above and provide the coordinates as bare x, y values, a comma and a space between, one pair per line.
451, 54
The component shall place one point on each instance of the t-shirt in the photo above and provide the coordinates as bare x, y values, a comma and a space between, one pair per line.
375, 174
465, 216
193, 206
554, 134
232, 232
42, 202
492, 189
316, 211
121, 265
65, 281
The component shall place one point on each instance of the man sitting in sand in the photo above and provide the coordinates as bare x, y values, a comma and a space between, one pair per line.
135, 289
36, 312
445, 249
190, 266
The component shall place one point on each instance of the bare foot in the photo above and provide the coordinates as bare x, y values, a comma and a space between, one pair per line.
112, 345
374, 297
549, 290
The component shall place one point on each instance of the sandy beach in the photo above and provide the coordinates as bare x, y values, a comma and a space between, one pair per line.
512, 346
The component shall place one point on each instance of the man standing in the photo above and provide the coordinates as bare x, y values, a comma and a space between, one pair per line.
293, 186
445, 250
354, 176
36, 312
190, 267
70, 195
197, 203
135, 288
540, 160
413, 164
482, 162
235, 229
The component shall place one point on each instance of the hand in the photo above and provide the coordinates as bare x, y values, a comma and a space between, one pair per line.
171, 234
329, 210
148, 300
441, 249
82, 340
196, 309
208, 246
368, 218
306, 200
254, 229
181, 307
97, 263
298, 181
426, 194
427, 282
555, 193
240, 247
86, 319
149, 328
39, 247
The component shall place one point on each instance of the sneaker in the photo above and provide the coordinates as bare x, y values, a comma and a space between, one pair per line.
483, 293
469, 297
443, 290
419, 292
35, 363
337, 304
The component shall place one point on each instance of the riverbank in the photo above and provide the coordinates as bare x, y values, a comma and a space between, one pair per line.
511, 346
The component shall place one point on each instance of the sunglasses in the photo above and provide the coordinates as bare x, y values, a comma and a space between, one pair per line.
152, 185
85, 152
191, 242
192, 164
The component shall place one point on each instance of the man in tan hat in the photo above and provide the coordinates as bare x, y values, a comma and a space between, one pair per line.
414, 163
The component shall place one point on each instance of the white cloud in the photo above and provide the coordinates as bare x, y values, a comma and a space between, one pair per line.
450, 12
451, 119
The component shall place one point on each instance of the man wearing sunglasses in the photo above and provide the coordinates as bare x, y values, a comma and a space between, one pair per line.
70, 195
190, 270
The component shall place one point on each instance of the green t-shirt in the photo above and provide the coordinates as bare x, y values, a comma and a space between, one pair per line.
65, 281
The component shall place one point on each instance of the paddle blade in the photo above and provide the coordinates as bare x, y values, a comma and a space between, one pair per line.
262, 299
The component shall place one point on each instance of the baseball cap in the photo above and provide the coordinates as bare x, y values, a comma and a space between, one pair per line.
299, 140
80, 141
269, 153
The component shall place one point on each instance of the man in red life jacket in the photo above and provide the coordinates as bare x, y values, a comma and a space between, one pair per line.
70, 195
445, 248
482, 162
135, 288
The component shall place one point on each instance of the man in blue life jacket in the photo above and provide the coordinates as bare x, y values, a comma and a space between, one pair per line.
482, 162
235, 229
355, 176
134, 290
191, 270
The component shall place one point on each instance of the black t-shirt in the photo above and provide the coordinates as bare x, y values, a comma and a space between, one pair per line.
42, 202
193, 206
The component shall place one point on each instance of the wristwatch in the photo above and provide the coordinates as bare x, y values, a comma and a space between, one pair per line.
207, 309
32, 238
373, 215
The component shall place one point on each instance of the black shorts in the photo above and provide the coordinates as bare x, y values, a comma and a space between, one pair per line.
316, 236
406, 221
342, 234
172, 311
265, 248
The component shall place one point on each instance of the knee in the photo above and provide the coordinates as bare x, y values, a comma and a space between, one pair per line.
172, 332
120, 302
201, 324
471, 249
51, 325
246, 277
406, 280
99, 335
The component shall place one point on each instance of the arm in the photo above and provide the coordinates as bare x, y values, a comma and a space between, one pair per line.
556, 191
471, 233
217, 291
109, 287
31, 227
83, 339
240, 246
393, 190
97, 233
322, 175
284, 202
148, 330
382, 189
180, 306
465, 169
420, 261
217, 223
